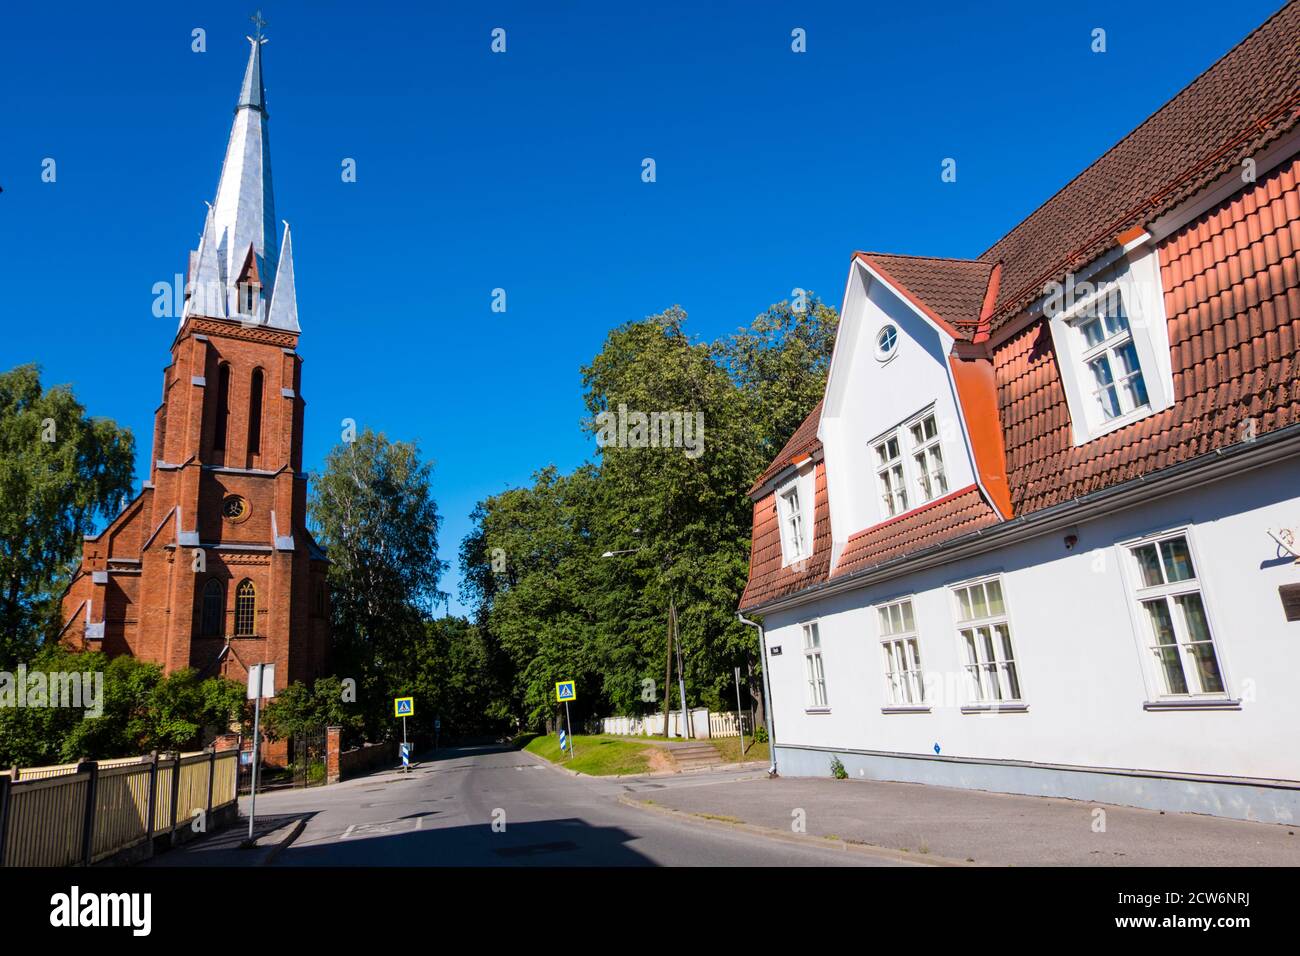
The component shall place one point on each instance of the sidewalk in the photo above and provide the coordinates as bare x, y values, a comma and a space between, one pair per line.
973, 826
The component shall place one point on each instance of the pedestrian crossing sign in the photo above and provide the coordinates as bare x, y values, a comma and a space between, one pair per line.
566, 690
403, 706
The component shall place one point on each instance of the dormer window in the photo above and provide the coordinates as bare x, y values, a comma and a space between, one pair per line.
1108, 352
927, 456
793, 510
909, 465
889, 473
1112, 343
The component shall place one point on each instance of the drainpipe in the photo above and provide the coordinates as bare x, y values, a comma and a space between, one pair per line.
769, 705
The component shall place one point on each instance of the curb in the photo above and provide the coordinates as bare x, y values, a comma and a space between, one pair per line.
806, 840
294, 831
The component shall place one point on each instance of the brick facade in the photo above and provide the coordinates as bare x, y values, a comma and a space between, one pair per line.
138, 591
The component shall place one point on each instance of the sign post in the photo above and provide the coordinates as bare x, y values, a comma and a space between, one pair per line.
404, 707
261, 683
565, 691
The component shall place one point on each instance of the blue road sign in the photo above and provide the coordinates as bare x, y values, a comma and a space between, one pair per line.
563, 739
406, 755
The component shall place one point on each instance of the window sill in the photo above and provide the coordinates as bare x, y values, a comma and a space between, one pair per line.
816, 710
907, 709
1008, 708
1193, 703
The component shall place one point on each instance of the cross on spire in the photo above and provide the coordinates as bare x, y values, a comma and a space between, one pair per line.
258, 22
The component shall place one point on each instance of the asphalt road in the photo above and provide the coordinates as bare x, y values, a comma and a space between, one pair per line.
443, 813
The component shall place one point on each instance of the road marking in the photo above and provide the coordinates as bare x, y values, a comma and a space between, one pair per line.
348, 832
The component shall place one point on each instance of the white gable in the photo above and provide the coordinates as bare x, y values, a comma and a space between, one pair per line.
870, 392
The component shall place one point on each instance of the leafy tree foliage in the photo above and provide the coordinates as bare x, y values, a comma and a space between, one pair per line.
300, 709
59, 470
373, 509
143, 710
534, 564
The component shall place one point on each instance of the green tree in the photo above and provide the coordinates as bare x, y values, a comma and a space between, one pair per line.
533, 564
300, 709
59, 470
141, 710
374, 510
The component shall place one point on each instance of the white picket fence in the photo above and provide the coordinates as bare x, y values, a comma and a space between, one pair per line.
704, 723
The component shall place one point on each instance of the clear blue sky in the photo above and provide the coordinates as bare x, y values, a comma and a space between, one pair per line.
522, 171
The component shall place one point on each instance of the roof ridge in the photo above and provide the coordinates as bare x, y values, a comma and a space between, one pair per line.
912, 255
1134, 131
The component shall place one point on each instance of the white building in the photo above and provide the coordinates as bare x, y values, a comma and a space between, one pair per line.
1035, 537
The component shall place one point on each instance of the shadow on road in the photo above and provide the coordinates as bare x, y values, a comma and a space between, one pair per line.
568, 842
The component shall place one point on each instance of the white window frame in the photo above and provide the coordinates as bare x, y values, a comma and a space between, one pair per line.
900, 656
1159, 693
1133, 274
801, 488
1003, 666
814, 668
884, 355
915, 491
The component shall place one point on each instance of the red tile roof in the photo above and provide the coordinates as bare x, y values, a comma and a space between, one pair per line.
962, 511
950, 290
1232, 296
1231, 111
1231, 281
802, 442
768, 580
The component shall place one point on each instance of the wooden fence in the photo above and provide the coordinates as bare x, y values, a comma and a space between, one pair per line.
719, 724
85, 813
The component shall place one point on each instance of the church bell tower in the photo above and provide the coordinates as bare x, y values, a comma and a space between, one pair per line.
212, 565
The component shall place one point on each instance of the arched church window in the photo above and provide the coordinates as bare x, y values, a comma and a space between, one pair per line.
255, 414
223, 408
245, 608
214, 609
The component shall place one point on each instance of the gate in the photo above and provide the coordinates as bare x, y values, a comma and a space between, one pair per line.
307, 757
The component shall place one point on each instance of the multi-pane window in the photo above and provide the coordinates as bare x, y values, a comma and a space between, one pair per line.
927, 456
889, 473
792, 524
901, 655
1178, 628
813, 670
912, 454
986, 642
1114, 374
245, 609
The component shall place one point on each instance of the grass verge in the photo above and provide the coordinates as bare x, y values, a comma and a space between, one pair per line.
600, 756
729, 749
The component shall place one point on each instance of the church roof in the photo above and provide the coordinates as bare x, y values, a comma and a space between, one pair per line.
242, 218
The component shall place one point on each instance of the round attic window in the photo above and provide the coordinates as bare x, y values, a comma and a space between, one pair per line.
886, 342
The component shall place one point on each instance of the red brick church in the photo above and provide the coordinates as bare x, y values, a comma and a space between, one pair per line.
211, 566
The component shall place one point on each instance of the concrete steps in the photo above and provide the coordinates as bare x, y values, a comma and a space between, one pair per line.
696, 756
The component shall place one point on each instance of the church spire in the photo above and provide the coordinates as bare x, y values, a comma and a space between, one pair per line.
243, 215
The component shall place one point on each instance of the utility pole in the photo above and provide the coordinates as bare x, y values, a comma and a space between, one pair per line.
681, 678
668, 668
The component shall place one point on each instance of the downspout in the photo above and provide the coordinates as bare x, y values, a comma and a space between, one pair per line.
769, 708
